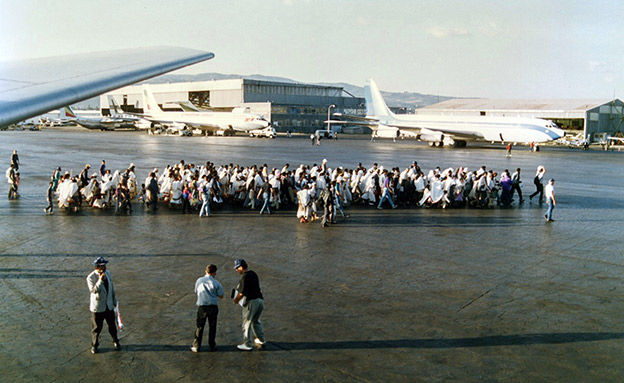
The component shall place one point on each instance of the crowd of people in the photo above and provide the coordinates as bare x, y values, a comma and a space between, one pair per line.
316, 191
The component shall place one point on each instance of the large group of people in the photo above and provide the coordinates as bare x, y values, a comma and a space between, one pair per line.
103, 190
316, 191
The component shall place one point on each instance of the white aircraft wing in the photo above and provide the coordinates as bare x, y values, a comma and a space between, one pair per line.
438, 128
352, 120
32, 87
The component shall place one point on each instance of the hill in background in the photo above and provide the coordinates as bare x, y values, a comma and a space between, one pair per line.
409, 100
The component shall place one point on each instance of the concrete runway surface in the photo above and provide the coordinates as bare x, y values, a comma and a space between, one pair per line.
410, 295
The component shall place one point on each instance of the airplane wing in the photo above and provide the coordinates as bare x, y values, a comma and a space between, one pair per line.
353, 120
32, 87
426, 129
438, 129
352, 123
354, 117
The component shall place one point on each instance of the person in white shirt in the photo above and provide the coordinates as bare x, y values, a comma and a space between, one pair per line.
549, 192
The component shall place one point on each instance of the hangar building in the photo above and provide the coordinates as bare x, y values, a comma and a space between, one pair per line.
289, 106
575, 116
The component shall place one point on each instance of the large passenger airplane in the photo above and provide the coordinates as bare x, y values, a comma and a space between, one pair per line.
236, 120
29, 88
100, 122
441, 130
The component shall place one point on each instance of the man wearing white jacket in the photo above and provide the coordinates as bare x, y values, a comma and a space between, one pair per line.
102, 304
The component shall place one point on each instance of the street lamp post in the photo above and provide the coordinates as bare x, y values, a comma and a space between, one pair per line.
328, 115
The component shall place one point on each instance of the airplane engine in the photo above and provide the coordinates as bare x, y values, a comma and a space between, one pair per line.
144, 124
432, 137
385, 131
448, 141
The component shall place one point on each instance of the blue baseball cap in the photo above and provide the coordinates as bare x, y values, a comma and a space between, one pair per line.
100, 261
240, 262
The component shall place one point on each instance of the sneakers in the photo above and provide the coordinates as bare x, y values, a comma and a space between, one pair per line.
244, 347
117, 346
259, 342
379, 207
194, 349
395, 206
94, 350
545, 217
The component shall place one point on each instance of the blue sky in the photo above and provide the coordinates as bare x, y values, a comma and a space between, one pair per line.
495, 49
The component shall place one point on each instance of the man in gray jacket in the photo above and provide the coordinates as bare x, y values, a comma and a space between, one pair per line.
102, 304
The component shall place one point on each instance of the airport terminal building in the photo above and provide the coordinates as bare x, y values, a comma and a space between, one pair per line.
589, 116
300, 108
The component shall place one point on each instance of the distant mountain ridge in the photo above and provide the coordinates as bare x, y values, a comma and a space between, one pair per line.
409, 100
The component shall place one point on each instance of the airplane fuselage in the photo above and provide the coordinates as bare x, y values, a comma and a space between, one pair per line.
470, 128
244, 122
440, 129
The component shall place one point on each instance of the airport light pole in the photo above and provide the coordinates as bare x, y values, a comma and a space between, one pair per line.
328, 115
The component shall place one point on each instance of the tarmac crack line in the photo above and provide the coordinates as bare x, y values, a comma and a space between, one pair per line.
25, 297
73, 357
474, 300
242, 242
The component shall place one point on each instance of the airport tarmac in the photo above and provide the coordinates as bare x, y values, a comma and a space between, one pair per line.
410, 295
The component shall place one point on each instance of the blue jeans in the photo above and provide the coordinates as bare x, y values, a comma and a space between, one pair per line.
386, 196
266, 198
551, 206
338, 206
205, 208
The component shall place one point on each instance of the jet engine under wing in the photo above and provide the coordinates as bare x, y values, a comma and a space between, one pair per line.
32, 87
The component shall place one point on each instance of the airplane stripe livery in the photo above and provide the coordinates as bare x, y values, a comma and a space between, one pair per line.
32, 87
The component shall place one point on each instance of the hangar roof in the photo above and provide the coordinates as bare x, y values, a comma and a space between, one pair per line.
519, 104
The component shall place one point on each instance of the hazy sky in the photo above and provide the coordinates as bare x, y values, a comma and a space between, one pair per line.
506, 49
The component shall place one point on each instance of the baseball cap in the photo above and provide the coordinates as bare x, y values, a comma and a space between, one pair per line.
240, 262
100, 261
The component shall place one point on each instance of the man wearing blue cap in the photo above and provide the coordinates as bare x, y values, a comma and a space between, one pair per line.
102, 304
249, 290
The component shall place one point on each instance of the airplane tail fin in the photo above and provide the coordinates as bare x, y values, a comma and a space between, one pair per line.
150, 106
113, 105
66, 113
375, 104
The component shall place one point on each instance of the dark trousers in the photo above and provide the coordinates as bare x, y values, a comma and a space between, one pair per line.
203, 313
97, 322
186, 206
540, 191
516, 187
